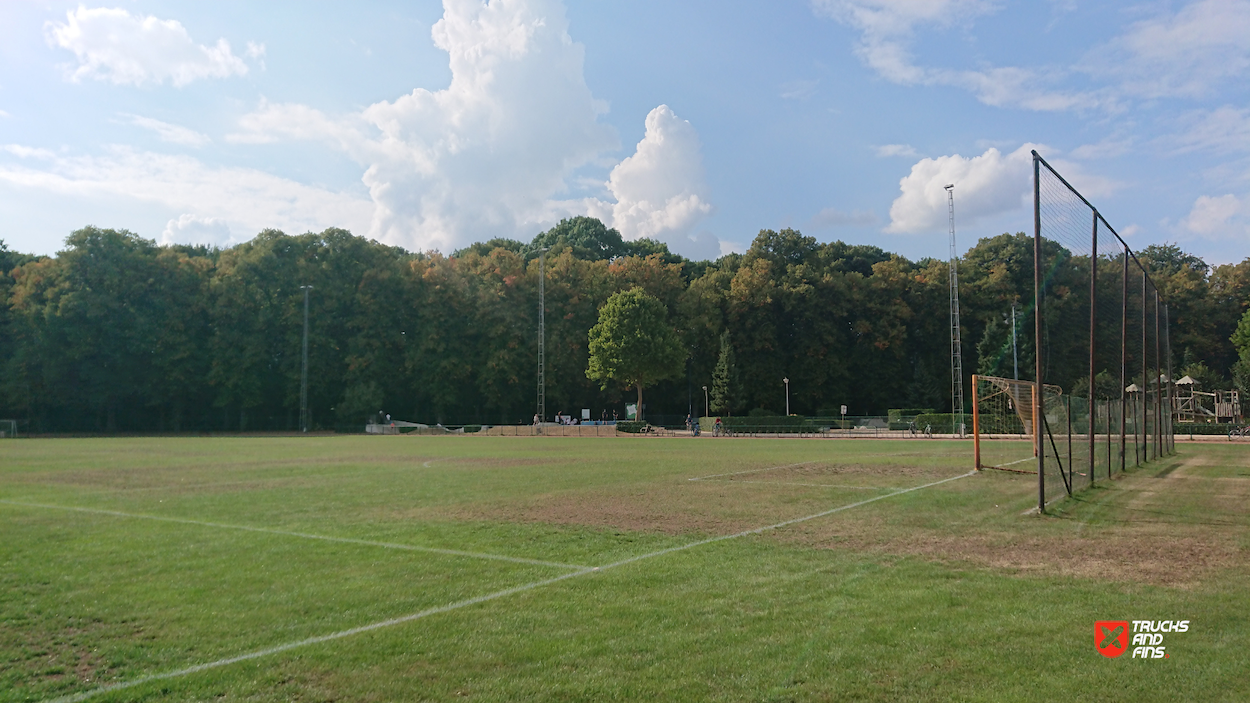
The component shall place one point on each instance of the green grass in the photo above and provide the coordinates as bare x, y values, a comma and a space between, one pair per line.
952, 592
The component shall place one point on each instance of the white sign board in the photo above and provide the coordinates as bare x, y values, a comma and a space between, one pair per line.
843, 409
585, 413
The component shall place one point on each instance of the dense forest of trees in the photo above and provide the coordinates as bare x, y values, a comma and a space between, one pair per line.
115, 333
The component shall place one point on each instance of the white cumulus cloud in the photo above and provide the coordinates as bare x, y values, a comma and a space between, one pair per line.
659, 190
491, 154
196, 229
986, 185
114, 45
1215, 216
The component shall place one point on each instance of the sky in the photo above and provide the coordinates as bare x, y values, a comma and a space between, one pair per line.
433, 125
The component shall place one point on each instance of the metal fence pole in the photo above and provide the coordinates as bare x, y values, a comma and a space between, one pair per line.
1158, 383
1037, 338
1170, 437
1123, 354
1093, 319
1145, 388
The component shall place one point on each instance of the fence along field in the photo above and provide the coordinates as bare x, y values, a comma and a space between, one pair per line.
1105, 354
426, 567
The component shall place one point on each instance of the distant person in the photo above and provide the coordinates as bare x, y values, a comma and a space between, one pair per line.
718, 429
614, 416
535, 418
928, 431
911, 427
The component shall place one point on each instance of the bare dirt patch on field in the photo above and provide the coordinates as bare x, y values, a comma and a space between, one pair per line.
1173, 530
1156, 554
1169, 530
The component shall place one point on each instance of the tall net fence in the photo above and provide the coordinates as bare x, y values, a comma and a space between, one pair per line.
1101, 336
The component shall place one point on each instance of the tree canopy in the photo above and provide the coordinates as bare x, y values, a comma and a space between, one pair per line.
633, 343
116, 332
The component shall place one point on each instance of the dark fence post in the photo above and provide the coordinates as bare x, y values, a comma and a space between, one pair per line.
1093, 319
1158, 383
1038, 402
1124, 344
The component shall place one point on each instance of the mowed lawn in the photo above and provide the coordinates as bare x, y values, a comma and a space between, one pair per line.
493, 568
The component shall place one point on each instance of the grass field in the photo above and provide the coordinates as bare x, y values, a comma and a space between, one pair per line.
490, 568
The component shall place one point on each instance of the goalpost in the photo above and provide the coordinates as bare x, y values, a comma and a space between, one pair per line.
1002, 408
8, 429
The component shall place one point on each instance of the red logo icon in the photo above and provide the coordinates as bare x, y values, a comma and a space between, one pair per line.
1111, 637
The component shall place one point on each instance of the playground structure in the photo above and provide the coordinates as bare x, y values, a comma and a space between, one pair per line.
1193, 405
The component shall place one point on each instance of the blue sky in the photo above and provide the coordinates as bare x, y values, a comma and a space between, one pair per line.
432, 125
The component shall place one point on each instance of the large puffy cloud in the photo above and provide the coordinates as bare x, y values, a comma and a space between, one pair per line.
480, 158
986, 185
219, 205
660, 190
489, 155
114, 45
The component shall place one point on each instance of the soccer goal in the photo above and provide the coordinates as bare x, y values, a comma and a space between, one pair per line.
1003, 425
8, 429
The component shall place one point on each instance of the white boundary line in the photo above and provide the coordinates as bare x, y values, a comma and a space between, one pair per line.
752, 471
479, 599
814, 485
303, 535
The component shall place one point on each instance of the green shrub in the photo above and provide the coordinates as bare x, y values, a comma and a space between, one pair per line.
630, 426
1203, 428
899, 418
941, 423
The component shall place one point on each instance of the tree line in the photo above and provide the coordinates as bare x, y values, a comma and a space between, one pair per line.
116, 333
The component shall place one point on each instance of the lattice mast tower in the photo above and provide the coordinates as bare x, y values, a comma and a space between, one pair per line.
541, 409
957, 363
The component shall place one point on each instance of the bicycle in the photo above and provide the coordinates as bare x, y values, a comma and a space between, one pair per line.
1239, 432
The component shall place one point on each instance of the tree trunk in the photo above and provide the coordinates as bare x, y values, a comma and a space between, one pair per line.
638, 416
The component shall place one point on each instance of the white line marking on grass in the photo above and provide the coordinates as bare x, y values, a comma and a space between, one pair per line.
1019, 461
479, 599
789, 483
787, 523
318, 639
751, 471
304, 535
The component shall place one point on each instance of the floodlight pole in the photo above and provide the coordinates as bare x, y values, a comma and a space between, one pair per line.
1015, 357
705, 408
957, 364
542, 334
787, 382
303, 375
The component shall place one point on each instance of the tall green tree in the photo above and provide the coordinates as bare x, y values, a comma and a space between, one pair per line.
726, 383
633, 343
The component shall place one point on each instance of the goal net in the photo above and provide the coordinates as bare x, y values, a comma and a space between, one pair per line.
1002, 422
